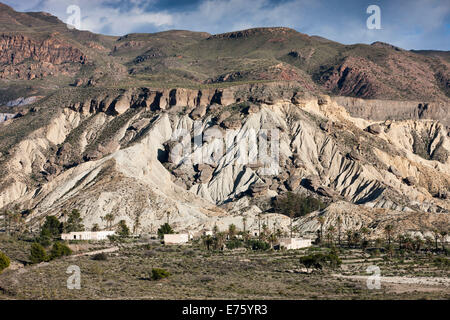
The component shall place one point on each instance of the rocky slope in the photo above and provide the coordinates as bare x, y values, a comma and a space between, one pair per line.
38, 46
112, 154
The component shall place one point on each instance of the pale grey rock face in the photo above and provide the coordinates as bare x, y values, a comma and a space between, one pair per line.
131, 175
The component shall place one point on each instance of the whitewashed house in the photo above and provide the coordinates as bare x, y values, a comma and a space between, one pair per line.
294, 243
88, 235
179, 238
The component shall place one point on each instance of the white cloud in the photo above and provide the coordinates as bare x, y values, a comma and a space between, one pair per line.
408, 24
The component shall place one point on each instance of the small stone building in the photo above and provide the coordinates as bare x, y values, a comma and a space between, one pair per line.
294, 243
88, 235
179, 238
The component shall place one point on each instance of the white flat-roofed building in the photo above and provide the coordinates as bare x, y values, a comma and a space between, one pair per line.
88, 235
294, 243
176, 238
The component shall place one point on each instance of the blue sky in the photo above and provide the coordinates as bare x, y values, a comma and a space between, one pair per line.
410, 24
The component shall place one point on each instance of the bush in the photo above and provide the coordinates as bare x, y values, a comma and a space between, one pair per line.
234, 244
165, 229
52, 227
158, 274
442, 262
38, 253
320, 260
4, 261
100, 257
59, 249
259, 245
297, 204
123, 229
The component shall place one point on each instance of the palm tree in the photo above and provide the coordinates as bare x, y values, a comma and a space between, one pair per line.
7, 221
401, 240
443, 234
272, 239
220, 240
388, 229
330, 235
17, 221
364, 231
436, 237
215, 230
356, 237
428, 242
291, 216
259, 224
266, 231
418, 242
208, 241
349, 237
339, 224
109, 218
321, 220
231, 231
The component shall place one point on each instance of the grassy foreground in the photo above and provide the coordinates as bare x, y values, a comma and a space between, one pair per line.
196, 273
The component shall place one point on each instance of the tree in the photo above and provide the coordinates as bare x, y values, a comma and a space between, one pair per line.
428, 242
59, 250
259, 224
52, 226
15, 222
339, 224
298, 204
4, 261
231, 231
321, 220
164, 229
219, 240
244, 223
208, 241
330, 235
7, 221
272, 239
122, 229
388, 229
74, 222
418, 242
109, 218
37, 253
95, 228
215, 229
364, 231
291, 217
349, 234
436, 238
443, 233
45, 238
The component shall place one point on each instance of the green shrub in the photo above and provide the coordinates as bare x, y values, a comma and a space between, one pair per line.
165, 229
4, 261
320, 260
59, 249
38, 253
259, 245
100, 257
297, 204
233, 244
442, 262
158, 274
123, 229
52, 227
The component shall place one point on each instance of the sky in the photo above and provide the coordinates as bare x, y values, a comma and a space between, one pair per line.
409, 24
